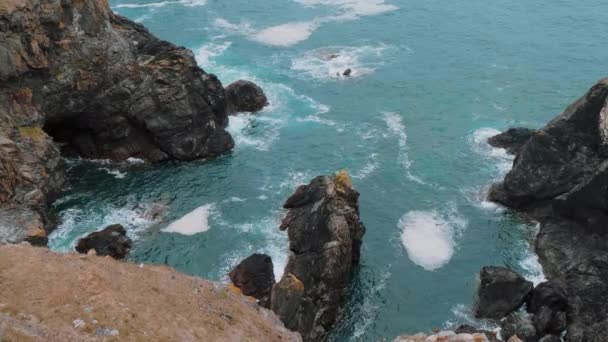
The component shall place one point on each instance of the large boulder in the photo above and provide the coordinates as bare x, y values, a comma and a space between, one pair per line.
245, 96
500, 292
325, 235
112, 241
254, 276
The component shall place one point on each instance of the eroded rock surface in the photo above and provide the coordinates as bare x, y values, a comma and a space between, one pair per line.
560, 178
500, 292
325, 236
103, 87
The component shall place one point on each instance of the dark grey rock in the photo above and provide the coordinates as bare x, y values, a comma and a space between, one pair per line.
512, 139
550, 338
325, 235
245, 96
347, 72
520, 324
548, 293
254, 276
112, 241
549, 321
500, 292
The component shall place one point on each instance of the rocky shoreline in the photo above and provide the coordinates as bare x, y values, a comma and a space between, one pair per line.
558, 179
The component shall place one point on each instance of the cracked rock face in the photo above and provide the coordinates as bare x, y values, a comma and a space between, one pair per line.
325, 236
101, 86
104, 87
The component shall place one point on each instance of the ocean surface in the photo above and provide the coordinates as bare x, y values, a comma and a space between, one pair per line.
431, 81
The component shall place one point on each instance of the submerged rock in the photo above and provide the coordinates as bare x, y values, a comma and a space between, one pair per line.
112, 241
245, 96
500, 292
254, 276
347, 72
325, 235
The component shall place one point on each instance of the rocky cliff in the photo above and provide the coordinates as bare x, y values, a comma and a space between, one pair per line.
101, 86
69, 297
325, 236
560, 178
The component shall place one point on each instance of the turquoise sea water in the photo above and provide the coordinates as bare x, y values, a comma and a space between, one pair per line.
431, 81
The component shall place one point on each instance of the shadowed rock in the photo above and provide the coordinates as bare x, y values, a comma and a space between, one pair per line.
512, 139
518, 324
254, 276
245, 96
112, 241
560, 178
325, 236
500, 292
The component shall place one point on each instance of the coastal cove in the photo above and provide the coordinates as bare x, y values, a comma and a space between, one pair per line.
430, 82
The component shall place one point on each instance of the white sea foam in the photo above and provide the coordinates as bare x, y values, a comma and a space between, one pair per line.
287, 34
350, 9
116, 173
369, 168
291, 33
131, 217
463, 314
206, 54
397, 129
428, 237
329, 63
196, 221
533, 269
500, 157
189, 3
135, 161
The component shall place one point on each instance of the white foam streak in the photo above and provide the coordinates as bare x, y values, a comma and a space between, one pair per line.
189, 3
397, 128
285, 34
196, 221
479, 143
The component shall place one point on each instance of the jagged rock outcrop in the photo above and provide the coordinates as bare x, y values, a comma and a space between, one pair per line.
518, 324
101, 86
47, 296
512, 139
254, 276
325, 235
112, 241
559, 178
500, 292
245, 96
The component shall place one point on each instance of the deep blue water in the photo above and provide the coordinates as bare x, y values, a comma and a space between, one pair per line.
431, 81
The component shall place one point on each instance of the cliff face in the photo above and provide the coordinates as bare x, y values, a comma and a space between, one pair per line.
560, 178
69, 297
102, 87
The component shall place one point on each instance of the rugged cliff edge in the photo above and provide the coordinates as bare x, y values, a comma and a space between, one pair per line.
101, 86
69, 297
560, 178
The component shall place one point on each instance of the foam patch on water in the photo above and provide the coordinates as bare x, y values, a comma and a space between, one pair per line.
428, 237
330, 63
206, 54
351, 9
292, 33
189, 3
196, 221
397, 129
479, 144
463, 314
371, 166
77, 222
